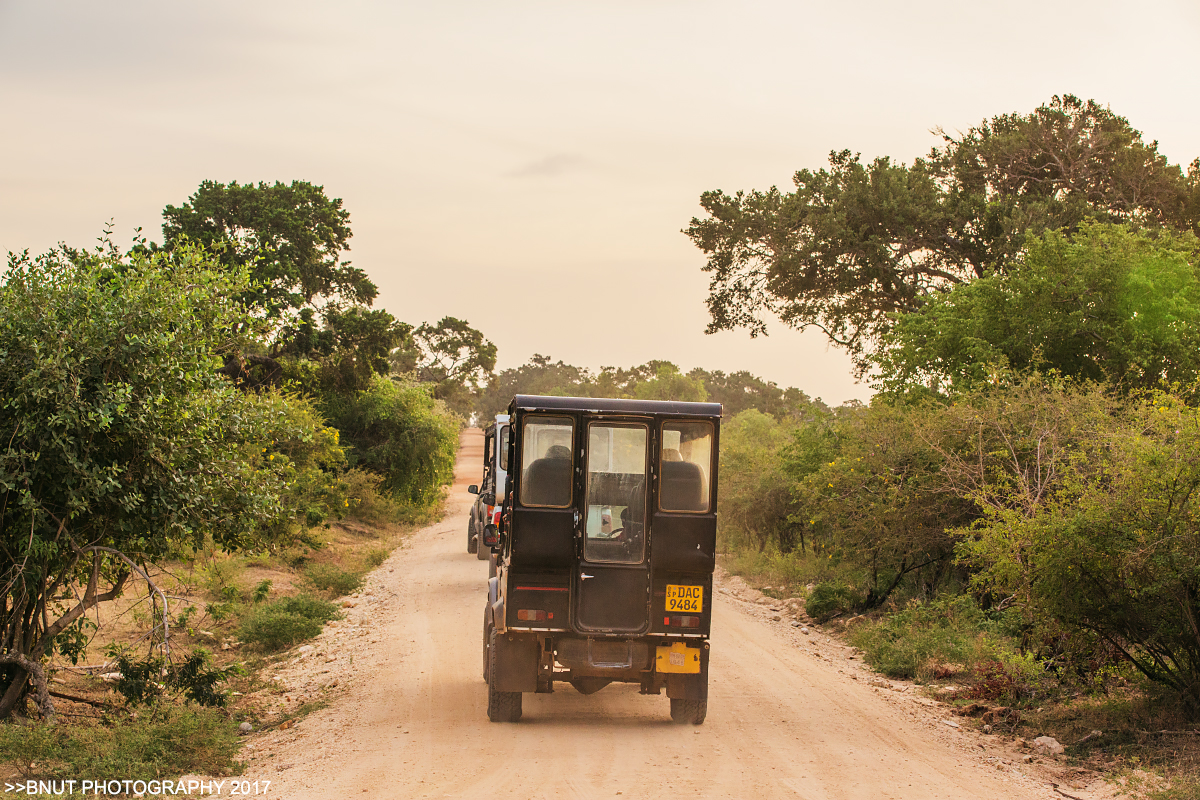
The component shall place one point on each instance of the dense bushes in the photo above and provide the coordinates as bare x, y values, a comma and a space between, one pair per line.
283, 623
1073, 509
400, 432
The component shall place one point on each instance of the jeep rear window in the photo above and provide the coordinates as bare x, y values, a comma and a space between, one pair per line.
504, 448
547, 460
686, 465
615, 519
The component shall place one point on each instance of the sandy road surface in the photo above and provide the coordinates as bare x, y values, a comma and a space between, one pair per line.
789, 715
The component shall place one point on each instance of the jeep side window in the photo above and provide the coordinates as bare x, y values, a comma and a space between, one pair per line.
686, 466
547, 459
616, 493
504, 448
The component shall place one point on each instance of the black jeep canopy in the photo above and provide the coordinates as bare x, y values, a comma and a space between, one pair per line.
608, 405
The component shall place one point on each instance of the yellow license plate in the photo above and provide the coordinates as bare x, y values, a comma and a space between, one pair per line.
688, 599
678, 658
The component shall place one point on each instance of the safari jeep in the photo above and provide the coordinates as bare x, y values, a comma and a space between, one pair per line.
605, 552
486, 508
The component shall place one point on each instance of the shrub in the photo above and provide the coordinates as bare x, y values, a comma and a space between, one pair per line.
924, 639
400, 432
828, 600
329, 577
283, 623
173, 740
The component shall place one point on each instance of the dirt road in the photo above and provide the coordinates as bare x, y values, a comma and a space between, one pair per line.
789, 715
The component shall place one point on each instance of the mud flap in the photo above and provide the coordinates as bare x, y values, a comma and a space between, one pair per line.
516, 664
690, 687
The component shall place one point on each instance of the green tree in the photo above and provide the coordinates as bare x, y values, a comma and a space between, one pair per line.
756, 502
539, 376
669, 383
881, 503
451, 356
1092, 519
344, 351
290, 236
398, 430
122, 442
858, 242
1103, 303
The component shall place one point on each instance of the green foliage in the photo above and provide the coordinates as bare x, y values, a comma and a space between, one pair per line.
860, 241
399, 431
914, 641
669, 383
756, 504
145, 681
172, 741
331, 578
364, 499
341, 353
262, 591
880, 502
283, 623
451, 356
290, 238
120, 435
1103, 303
829, 600
1111, 546
654, 380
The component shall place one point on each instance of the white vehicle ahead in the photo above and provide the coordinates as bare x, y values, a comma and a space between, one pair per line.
490, 491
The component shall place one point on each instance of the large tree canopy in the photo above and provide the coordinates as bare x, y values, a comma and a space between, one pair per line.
1103, 304
291, 236
859, 241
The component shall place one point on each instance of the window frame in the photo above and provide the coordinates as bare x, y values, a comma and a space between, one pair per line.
525, 421
503, 439
647, 465
662, 439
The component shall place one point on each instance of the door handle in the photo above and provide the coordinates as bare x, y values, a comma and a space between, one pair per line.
583, 576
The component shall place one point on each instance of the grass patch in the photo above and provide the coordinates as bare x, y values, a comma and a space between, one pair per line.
935, 639
332, 578
283, 623
171, 741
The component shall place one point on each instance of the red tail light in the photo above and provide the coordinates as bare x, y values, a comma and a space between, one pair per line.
533, 615
682, 622
496, 518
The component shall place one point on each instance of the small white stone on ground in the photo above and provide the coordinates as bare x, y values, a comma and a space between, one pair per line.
1048, 745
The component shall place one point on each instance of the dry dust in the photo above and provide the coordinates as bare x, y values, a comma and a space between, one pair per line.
790, 715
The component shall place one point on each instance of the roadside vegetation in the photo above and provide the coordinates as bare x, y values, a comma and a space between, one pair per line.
205, 445
1014, 519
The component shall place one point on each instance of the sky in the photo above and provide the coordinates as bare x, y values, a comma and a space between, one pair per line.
528, 166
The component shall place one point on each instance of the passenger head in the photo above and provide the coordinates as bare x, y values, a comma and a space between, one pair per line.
559, 451
671, 454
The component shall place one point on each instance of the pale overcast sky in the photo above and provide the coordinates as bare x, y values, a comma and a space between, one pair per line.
528, 165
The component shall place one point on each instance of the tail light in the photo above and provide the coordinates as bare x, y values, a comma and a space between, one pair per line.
534, 615
496, 518
682, 622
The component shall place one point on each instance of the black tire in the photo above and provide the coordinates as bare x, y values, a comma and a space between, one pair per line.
472, 539
502, 706
685, 712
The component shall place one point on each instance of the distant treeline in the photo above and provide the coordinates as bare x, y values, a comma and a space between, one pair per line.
654, 380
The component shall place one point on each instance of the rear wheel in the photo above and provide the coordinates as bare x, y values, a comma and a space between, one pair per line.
685, 712
502, 706
481, 552
472, 539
